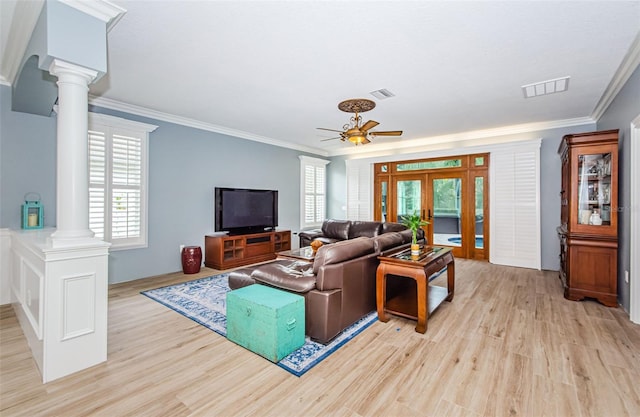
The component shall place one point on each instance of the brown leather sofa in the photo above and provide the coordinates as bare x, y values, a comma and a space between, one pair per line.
339, 286
336, 230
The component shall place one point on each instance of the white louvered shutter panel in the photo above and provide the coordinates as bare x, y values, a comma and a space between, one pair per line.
359, 194
515, 212
126, 198
97, 181
320, 197
313, 185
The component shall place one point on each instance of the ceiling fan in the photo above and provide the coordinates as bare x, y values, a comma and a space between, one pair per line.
353, 131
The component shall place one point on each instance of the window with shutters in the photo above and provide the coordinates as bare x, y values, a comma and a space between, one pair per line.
118, 151
313, 188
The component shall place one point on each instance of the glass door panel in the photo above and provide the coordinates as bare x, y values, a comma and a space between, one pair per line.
446, 221
409, 198
384, 194
479, 212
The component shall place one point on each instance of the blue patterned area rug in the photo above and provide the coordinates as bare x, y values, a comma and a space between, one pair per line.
204, 301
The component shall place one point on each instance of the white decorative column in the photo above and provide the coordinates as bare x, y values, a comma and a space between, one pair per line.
59, 277
72, 198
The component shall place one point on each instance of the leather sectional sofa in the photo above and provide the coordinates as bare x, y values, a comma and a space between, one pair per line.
336, 230
339, 286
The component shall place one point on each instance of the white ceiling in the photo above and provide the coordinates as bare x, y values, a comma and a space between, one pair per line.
275, 71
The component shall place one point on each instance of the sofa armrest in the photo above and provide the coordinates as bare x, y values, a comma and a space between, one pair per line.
307, 236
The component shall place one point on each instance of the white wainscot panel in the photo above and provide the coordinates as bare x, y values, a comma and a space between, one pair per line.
33, 288
78, 306
17, 275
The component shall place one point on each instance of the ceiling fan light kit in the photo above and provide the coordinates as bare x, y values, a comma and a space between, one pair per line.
353, 131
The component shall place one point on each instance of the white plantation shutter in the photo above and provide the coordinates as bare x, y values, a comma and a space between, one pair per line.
126, 184
118, 180
313, 190
359, 190
515, 209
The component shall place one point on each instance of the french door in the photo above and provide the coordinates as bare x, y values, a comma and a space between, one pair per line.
450, 194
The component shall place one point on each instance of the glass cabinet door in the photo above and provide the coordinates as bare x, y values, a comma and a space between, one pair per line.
596, 201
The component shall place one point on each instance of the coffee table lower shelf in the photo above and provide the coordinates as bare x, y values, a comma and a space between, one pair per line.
404, 305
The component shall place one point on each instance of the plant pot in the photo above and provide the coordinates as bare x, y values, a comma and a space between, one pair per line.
415, 249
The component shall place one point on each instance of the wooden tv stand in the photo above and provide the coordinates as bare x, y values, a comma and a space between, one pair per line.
225, 251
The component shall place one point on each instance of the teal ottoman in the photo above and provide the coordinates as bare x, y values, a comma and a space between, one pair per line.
265, 320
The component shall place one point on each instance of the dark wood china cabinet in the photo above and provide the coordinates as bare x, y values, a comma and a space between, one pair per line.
589, 216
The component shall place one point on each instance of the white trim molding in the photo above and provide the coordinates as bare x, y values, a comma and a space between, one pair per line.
25, 17
104, 10
196, 124
634, 278
625, 70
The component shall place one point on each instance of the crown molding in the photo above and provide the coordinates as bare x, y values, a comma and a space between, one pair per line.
100, 9
483, 137
24, 19
625, 70
196, 124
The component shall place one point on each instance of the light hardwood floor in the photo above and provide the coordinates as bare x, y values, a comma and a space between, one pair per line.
509, 344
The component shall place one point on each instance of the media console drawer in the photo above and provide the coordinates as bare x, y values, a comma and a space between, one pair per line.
262, 248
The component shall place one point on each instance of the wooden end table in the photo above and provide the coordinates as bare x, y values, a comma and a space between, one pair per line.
422, 301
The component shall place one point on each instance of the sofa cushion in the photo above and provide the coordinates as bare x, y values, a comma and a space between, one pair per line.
364, 229
336, 229
388, 227
386, 241
407, 236
295, 276
342, 251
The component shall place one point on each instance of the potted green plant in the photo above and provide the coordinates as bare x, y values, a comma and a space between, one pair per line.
413, 222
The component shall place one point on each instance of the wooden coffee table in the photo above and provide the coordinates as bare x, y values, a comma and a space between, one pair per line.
415, 302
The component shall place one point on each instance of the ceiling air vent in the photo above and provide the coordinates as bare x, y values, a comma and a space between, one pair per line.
542, 88
382, 94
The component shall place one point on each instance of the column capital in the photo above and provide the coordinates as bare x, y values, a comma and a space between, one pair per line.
61, 68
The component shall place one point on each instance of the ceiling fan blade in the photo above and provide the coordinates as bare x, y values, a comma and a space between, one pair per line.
387, 133
337, 137
369, 125
330, 130
365, 141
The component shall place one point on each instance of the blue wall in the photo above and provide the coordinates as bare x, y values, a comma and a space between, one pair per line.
27, 162
619, 115
185, 165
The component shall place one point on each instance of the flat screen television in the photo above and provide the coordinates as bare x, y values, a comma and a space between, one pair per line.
243, 211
